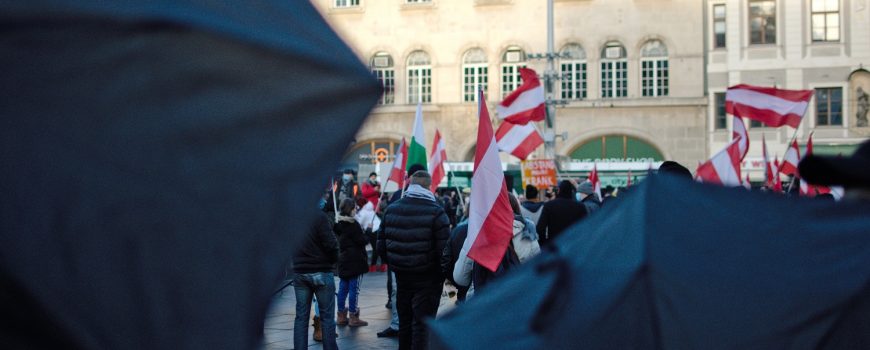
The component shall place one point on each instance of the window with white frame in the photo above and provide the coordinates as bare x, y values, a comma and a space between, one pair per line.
474, 74
382, 67
614, 71
762, 21
419, 78
825, 19
573, 68
654, 69
513, 59
829, 106
719, 26
346, 3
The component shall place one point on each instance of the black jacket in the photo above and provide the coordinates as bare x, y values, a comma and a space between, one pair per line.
451, 251
413, 235
352, 259
556, 216
318, 251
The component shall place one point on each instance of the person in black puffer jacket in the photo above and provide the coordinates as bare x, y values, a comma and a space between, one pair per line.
413, 236
352, 263
312, 266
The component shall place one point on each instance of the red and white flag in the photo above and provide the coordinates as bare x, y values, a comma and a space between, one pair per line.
723, 168
490, 221
746, 183
628, 183
437, 160
768, 165
771, 106
741, 133
526, 103
596, 183
397, 173
791, 159
777, 180
519, 140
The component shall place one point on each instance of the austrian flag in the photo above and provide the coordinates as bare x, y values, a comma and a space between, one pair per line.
771, 106
519, 140
526, 103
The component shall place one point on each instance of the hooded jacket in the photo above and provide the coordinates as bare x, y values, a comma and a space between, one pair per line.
352, 258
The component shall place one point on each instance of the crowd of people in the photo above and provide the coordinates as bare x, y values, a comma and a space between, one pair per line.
417, 237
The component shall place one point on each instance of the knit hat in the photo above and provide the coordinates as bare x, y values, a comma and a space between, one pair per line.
586, 187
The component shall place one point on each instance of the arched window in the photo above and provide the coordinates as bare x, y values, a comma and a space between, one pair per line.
614, 71
474, 74
616, 147
382, 67
512, 60
419, 78
654, 69
573, 67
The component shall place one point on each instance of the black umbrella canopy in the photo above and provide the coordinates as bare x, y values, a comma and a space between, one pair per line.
677, 265
158, 158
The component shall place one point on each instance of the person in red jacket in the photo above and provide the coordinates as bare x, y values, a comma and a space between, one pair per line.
371, 189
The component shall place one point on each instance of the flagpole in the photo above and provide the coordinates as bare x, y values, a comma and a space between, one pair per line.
334, 200
793, 138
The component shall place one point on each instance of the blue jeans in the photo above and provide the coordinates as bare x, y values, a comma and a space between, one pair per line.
348, 291
307, 285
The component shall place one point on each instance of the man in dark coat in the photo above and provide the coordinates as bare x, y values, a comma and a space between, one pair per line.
560, 213
313, 264
414, 233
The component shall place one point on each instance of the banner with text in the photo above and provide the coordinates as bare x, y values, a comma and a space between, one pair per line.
540, 173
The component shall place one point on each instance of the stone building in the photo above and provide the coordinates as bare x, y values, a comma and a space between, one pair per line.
633, 86
794, 44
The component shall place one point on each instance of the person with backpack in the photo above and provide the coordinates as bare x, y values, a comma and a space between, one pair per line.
522, 247
532, 207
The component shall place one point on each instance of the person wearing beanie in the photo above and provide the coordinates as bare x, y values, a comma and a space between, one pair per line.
588, 198
559, 213
531, 208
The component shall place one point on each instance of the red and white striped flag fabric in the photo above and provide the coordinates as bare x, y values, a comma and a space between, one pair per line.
739, 131
723, 168
746, 183
791, 159
628, 183
771, 106
596, 183
519, 140
490, 222
777, 180
397, 172
526, 103
437, 160
769, 171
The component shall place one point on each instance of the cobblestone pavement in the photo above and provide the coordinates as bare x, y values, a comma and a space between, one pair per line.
373, 295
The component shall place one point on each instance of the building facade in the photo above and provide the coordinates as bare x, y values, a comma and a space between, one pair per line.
821, 45
632, 75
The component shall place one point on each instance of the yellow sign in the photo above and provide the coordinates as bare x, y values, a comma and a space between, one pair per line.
540, 173
381, 154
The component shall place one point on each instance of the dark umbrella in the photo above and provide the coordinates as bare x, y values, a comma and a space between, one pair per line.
158, 158
677, 265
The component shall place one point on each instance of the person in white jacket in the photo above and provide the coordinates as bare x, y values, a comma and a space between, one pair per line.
524, 242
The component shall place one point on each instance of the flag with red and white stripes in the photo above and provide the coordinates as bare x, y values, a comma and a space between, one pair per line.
791, 159
723, 168
519, 140
739, 131
596, 183
771, 106
490, 221
769, 167
526, 103
437, 160
397, 172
